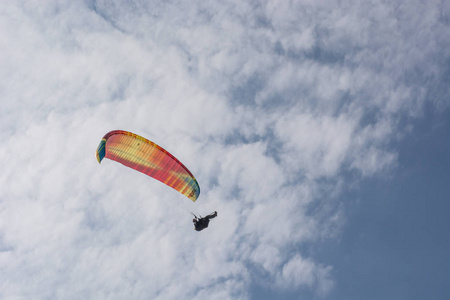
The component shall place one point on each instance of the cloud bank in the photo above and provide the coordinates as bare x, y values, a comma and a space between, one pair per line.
276, 107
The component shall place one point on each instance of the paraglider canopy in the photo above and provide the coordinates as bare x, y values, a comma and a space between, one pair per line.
147, 157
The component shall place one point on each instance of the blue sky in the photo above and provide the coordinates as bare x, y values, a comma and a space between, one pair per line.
396, 242
317, 129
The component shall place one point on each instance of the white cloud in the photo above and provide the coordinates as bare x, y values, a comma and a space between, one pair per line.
318, 145
269, 104
300, 272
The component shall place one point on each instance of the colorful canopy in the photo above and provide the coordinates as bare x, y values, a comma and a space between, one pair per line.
145, 156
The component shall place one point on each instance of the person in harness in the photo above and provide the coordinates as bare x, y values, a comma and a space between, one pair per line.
202, 223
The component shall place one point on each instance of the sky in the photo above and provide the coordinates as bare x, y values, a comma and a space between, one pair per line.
318, 130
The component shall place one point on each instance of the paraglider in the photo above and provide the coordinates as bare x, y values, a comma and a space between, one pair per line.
147, 157
202, 223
